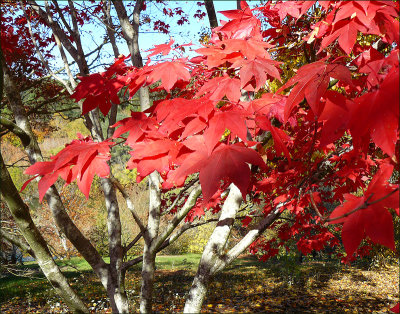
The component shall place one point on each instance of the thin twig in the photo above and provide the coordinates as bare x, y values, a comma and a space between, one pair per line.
362, 206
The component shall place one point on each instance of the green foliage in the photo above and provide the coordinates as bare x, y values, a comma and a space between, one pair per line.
17, 176
192, 241
68, 129
12, 139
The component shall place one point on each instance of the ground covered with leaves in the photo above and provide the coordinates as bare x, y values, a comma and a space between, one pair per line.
282, 286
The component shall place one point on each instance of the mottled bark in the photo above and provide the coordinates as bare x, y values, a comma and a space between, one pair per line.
114, 289
149, 249
248, 239
110, 30
215, 260
20, 212
130, 31
213, 250
111, 279
63, 221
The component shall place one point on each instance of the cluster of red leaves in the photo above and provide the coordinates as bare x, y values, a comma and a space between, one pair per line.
18, 50
337, 127
80, 160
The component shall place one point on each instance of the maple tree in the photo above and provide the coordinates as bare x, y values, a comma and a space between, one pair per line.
247, 122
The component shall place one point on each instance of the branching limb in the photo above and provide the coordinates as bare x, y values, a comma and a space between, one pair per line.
133, 242
362, 206
12, 238
249, 238
39, 53
9, 125
189, 204
129, 204
169, 241
178, 197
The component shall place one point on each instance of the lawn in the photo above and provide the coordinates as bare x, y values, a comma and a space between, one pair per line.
247, 286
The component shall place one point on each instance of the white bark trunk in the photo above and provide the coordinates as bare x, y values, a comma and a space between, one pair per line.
20, 212
149, 250
213, 251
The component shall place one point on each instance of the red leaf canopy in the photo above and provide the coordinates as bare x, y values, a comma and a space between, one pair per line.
371, 218
80, 160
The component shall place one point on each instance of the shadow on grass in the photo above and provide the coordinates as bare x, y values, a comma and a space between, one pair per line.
266, 290
248, 285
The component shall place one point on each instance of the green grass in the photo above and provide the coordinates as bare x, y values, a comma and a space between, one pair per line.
246, 285
178, 262
16, 286
77, 268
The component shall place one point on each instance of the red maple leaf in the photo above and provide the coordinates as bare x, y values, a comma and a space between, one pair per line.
243, 23
346, 31
98, 91
259, 68
169, 73
234, 120
279, 136
312, 82
221, 86
335, 116
152, 155
271, 105
80, 160
371, 219
163, 48
228, 162
136, 125
249, 47
380, 111
173, 114
191, 162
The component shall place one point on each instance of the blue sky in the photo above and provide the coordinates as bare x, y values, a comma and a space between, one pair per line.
181, 34
93, 33
185, 33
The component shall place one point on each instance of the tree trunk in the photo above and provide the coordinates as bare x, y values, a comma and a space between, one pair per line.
64, 222
118, 299
131, 35
20, 212
213, 251
212, 16
150, 248
214, 259
108, 274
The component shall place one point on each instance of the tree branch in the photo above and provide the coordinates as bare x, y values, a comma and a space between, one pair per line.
129, 204
24, 137
363, 206
189, 204
17, 241
133, 242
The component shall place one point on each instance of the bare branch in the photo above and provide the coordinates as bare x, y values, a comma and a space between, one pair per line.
189, 204
129, 204
17, 241
44, 62
133, 242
